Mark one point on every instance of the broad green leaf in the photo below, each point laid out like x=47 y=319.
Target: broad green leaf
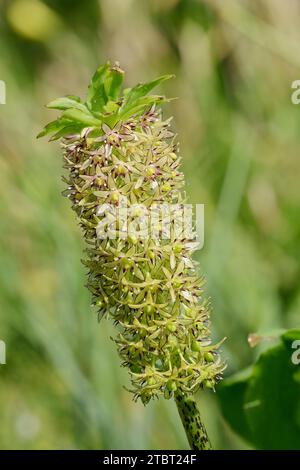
x=272 y=400
x=290 y=336
x=97 y=97
x=231 y=393
x=66 y=103
x=264 y=407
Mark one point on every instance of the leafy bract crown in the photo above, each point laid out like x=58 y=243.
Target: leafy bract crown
x=105 y=104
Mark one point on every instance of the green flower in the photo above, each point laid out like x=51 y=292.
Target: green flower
x=121 y=156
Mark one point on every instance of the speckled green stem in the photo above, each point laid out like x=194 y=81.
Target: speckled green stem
x=192 y=423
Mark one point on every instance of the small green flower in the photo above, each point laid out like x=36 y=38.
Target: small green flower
x=117 y=147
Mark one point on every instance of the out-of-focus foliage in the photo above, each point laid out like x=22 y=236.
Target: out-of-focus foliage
x=235 y=62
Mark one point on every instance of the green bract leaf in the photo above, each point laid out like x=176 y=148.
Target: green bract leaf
x=53 y=126
x=79 y=116
x=68 y=130
x=113 y=82
x=74 y=97
x=97 y=97
x=140 y=105
x=111 y=107
x=132 y=95
x=66 y=103
x=103 y=104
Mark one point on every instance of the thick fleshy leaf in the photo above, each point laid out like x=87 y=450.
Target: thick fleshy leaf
x=231 y=393
x=291 y=337
x=272 y=400
x=264 y=407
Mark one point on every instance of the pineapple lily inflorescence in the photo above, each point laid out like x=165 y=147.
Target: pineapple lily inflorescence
x=117 y=147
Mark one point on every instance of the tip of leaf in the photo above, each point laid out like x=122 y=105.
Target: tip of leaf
x=169 y=76
x=116 y=67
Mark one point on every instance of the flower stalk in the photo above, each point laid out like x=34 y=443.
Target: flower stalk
x=120 y=154
x=191 y=419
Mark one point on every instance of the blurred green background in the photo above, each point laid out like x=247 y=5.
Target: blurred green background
x=234 y=60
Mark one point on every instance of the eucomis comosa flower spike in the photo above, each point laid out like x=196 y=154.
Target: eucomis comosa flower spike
x=117 y=147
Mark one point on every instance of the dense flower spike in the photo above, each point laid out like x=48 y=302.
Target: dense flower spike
x=119 y=153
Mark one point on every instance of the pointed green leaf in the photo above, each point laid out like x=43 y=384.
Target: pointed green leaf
x=68 y=130
x=74 y=97
x=66 y=103
x=79 y=116
x=53 y=126
x=132 y=95
x=143 y=89
x=140 y=105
